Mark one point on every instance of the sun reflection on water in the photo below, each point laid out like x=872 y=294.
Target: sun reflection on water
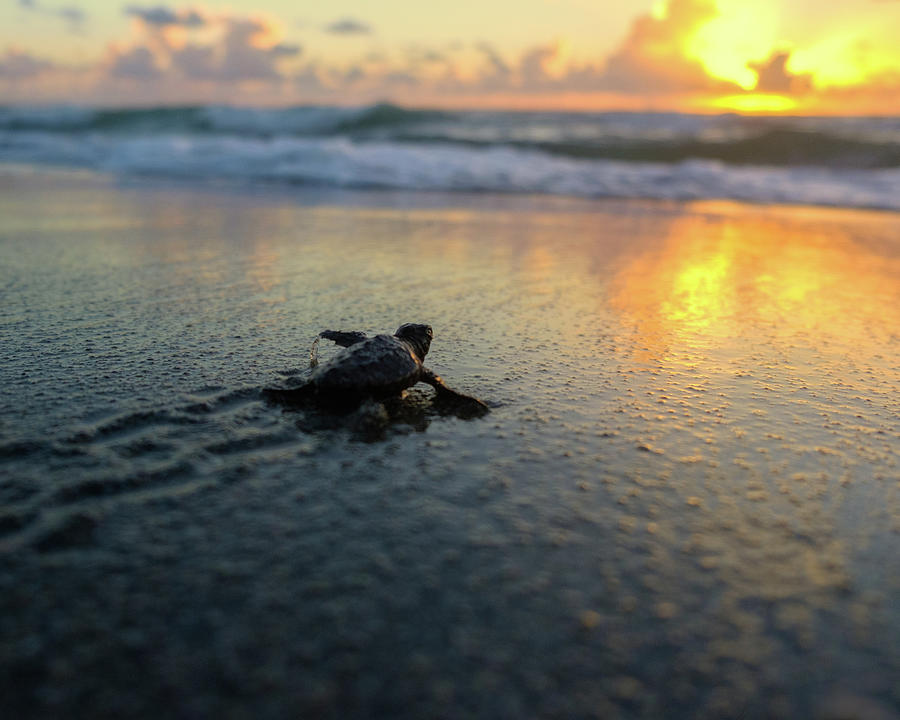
x=721 y=276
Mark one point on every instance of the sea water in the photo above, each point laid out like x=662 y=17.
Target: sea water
x=846 y=161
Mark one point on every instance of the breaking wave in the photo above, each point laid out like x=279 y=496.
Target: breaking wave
x=831 y=161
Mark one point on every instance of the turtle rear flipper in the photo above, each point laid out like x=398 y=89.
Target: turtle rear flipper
x=464 y=406
x=289 y=396
x=344 y=338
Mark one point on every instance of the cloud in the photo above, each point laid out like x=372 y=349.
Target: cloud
x=348 y=26
x=400 y=78
x=310 y=80
x=650 y=62
x=652 y=58
x=245 y=55
x=285 y=50
x=498 y=67
x=162 y=16
x=181 y=54
x=197 y=62
x=216 y=49
x=534 y=63
x=354 y=75
x=136 y=64
x=17 y=65
x=241 y=55
x=879 y=94
x=774 y=77
x=425 y=56
x=73 y=15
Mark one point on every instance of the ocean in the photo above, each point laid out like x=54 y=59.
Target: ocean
x=845 y=161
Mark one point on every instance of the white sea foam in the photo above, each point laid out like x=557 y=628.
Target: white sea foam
x=852 y=162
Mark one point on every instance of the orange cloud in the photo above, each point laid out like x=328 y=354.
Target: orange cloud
x=653 y=58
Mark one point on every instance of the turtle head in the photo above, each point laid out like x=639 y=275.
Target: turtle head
x=418 y=337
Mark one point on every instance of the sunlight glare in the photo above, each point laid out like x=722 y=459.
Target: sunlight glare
x=839 y=60
x=755 y=103
x=739 y=34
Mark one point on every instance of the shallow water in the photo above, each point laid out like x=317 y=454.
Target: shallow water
x=684 y=503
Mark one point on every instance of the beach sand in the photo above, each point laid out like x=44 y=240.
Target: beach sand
x=685 y=502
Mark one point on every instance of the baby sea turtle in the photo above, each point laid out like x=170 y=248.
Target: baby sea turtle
x=374 y=368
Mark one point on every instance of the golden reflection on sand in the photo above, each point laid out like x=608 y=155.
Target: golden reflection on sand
x=768 y=275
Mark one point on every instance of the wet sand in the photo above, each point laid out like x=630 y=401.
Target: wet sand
x=685 y=502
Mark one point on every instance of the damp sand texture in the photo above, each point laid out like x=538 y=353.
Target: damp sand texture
x=685 y=502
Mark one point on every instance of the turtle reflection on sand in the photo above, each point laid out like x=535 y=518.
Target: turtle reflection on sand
x=373 y=370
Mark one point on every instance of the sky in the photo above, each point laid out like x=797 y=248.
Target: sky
x=793 y=56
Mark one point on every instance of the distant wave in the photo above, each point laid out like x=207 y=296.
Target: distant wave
x=833 y=161
x=777 y=146
x=262 y=122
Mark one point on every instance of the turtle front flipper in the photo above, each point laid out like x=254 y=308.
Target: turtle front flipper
x=464 y=406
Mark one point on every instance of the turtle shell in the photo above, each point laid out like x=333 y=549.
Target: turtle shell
x=379 y=366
